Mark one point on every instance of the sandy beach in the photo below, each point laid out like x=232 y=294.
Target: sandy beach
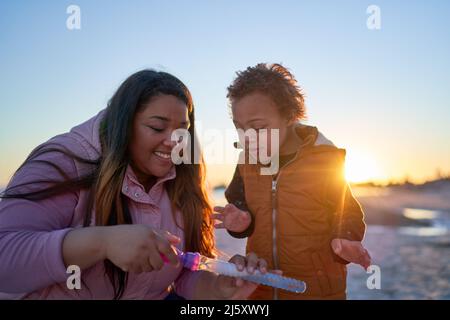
x=408 y=238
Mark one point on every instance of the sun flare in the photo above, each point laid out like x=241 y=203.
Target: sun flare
x=361 y=167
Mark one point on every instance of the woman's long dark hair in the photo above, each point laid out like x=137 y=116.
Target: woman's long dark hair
x=105 y=177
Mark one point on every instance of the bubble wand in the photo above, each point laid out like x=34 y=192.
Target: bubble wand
x=195 y=261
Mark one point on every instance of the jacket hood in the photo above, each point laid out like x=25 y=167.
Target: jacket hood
x=87 y=133
x=311 y=136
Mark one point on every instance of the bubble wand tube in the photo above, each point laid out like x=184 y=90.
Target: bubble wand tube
x=195 y=261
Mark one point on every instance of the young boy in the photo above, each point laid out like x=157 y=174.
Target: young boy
x=303 y=219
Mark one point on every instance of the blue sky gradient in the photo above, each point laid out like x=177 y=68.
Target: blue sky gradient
x=383 y=94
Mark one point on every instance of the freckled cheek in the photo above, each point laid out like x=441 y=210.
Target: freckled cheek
x=149 y=141
x=137 y=156
x=265 y=142
x=142 y=151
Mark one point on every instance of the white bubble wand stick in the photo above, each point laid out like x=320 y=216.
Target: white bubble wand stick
x=195 y=261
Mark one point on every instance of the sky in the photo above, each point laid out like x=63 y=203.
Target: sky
x=381 y=94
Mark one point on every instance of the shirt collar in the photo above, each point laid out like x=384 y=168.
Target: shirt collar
x=135 y=190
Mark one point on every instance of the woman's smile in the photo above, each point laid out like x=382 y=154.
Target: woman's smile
x=163 y=156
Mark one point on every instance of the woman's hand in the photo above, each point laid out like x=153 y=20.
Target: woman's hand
x=232 y=218
x=235 y=288
x=351 y=251
x=137 y=248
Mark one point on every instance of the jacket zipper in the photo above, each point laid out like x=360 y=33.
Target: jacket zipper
x=274 y=220
x=274 y=232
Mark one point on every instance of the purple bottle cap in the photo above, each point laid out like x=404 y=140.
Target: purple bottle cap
x=190 y=260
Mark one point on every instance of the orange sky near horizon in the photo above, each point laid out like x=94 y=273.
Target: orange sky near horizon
x=362 y=165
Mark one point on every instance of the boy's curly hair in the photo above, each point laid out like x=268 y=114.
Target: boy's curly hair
x=275 y=81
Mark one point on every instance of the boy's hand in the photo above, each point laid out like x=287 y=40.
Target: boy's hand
x=237 y=288
x=232 y=218
x=351 y=251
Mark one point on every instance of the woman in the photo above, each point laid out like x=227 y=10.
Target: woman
x=107 y=198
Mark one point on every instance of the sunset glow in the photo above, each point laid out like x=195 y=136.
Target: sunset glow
x=361 y=167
